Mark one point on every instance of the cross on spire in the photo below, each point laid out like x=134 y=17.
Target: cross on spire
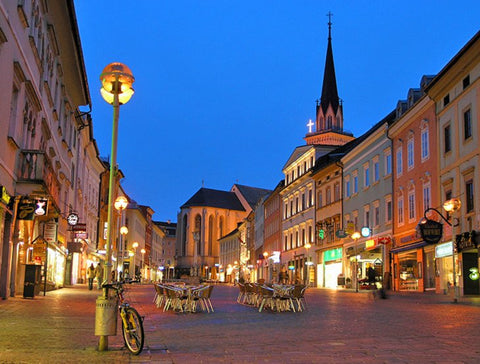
x=330 y=14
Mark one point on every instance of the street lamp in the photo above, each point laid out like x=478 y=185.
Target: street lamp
x=265 y=256
x=134 y=246
x=142 y=271
x=117 y=80
x=120 y=204
x=355 y=236
x=307 y=264
x=450 y=206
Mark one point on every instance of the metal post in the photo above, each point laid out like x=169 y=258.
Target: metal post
x=103 y=341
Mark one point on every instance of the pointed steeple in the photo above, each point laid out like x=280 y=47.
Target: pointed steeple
x=329 y=89
x=329 y=121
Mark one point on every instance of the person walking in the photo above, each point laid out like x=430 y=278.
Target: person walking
x=99 y=275
x=90 y=276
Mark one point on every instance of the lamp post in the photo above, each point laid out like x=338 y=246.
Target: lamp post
x=117 y=80
x=355 y=236
x=142 y=269
x=265 y=257
x=120 y=204
x=450 y=206
x=196 y=239
x=134 y=246
x=307 y=264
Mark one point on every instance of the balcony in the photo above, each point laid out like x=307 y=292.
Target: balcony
x=36 y=175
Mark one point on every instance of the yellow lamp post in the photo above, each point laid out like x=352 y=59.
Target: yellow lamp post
x=134 y=246
x=307 y=264
x=355 y=236
x=450 y=207
x=265 y=256
x=120 y=204
x=117 y=80
x=142 y=269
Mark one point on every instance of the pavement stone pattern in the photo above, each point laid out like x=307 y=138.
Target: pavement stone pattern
x=339 y=326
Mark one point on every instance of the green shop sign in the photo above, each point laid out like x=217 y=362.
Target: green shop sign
x=333 y=254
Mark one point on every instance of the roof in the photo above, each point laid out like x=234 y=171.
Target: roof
x=214 y=198
x=329 y=88
x=252 y=194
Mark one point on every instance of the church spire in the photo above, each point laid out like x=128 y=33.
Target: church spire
x=329 y=121
x=329 y=89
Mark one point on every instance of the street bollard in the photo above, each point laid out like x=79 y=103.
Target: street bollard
x=105 y=320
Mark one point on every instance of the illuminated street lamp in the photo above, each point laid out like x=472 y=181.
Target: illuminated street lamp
x=355 y=236
x=307 y=264
x=120 y=204
x=117 y=80
x=134 y=246
x=142 y=271
x=450 y=206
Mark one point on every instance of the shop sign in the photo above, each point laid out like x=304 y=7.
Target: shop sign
x=79 y=227
x=26 y=210
x=384 y=240
x=41 y=206
x=275 y=257
x=81 y=235
x=50 y=232
x=5 y=197
x=341 y=234
x=370 y=244
x=350 y=228
x=431 y=231
x=444 y=250
x=365 y=231
x=72 y=219
x=333 y=254
x=74 y=247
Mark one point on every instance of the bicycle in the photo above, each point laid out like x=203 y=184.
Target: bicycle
x=132 y=322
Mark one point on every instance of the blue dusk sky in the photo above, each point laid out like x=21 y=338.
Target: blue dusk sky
x=224 y=89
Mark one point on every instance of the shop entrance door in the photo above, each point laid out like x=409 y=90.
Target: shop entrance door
x=470 y=274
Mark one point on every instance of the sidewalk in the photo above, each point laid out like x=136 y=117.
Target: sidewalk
x=339 y=326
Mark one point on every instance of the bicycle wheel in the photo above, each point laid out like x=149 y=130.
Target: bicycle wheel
x=132 y=328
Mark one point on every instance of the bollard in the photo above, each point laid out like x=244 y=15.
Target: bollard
x=105 y=320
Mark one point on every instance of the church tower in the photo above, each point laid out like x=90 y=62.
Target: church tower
x=329 y=121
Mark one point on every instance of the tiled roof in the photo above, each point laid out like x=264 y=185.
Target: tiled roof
x=214 y=198
x=252 y=194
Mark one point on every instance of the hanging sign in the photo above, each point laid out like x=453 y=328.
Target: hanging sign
x=41 y=206
x=26 y=210
x=72 y=219
x=4 y=196
x=50 y=232
x=431 y=231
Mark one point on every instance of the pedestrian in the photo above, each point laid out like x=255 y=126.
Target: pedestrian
x=90 y=276
x=99 y=275
x=371 y=276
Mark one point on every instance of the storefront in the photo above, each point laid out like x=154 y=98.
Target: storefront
x=468 y=265
x=330 y=268
x=444 y=261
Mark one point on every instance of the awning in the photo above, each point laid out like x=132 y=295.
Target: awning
x=402 y=248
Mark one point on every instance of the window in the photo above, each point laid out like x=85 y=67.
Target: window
x=410 y=153
x=399 y=161
x=426 y=197
x=355 y=184
x=328 y=197
x=467 y=124
x=446 y=100
x=400 y=210
x=366 y=216
x=347 y=188
x=388 y=210
x=411 y=206
x=310 y=197
x=303 y=201
x=376 y=171
x=376 y=215
x=425 y=147
x=447 y=146
x=466 y=82
x=469 y=195
x=388 y=163
x=366 y=176
x=320 y=199
x=336 y=192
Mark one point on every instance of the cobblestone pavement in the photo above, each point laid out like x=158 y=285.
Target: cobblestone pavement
x=338 y=327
